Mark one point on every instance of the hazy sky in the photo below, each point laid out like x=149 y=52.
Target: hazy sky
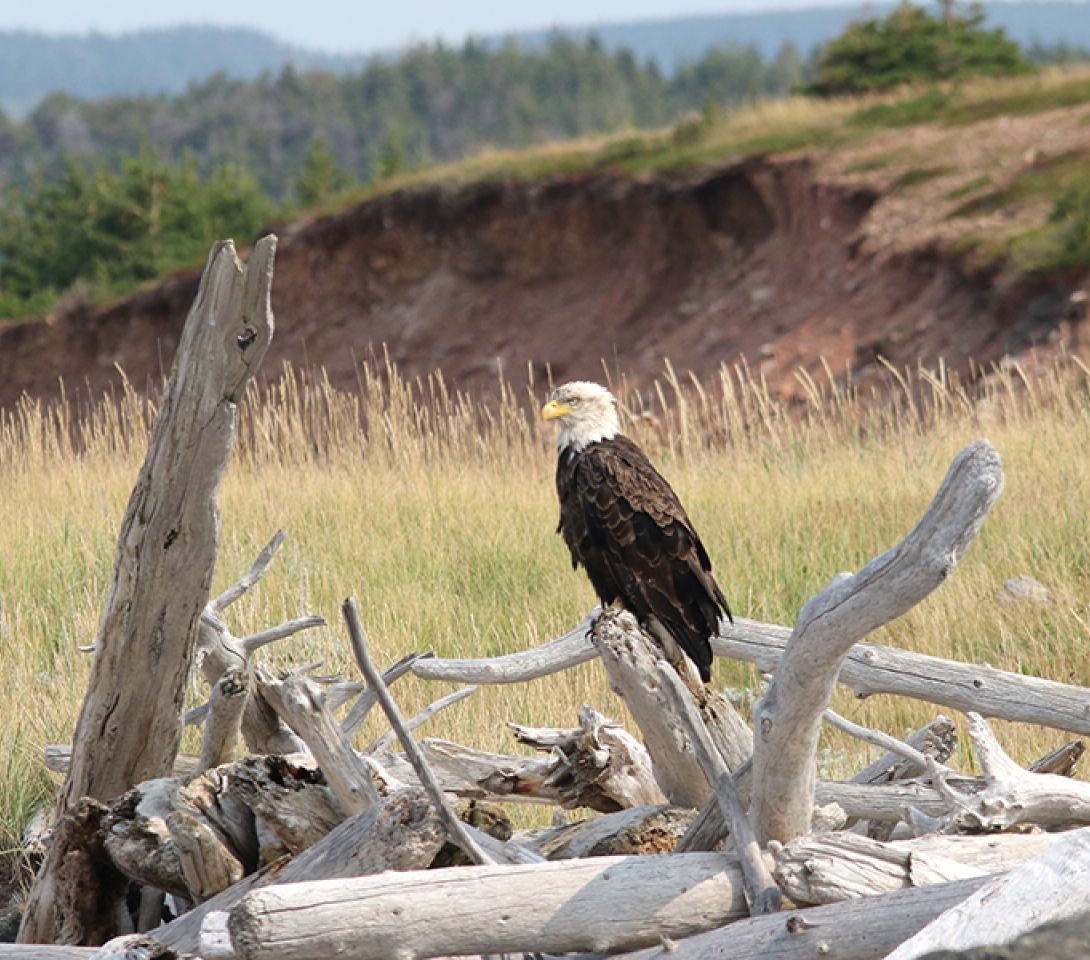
x=347 y=27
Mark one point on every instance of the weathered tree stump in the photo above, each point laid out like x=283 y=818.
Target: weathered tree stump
x=129 y=728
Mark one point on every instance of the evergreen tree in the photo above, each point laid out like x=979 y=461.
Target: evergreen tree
x=321 y=176
x=107 y=231
x=909 y=45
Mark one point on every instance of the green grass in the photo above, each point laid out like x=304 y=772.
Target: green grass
x=440 y=516
x=918 y=176
x=1062 y=241
x=971 y=102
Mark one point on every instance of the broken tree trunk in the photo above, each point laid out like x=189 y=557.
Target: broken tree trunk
x=130 y=724
x=598 y=765
x=787 y=720
x=1011 y=795
x=301 y=703
x=629 y=656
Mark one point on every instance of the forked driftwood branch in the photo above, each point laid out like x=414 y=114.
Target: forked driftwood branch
x=787 y=719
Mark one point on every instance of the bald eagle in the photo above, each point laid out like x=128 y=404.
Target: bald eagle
x=626 y=527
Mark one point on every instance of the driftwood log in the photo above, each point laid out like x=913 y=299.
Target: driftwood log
x=598 y=765
x=600 y=904
x=401 y=832
x=860 y=929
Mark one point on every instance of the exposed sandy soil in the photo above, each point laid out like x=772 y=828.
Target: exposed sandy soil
x=777 y=262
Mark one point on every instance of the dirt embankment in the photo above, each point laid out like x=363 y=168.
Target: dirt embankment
x=761 y=260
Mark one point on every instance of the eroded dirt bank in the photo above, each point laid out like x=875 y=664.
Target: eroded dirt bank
x=760 y=260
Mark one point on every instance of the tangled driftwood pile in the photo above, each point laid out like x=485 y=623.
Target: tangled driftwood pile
x=713 y=839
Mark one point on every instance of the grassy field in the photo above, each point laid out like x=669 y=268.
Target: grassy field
x=439 y=517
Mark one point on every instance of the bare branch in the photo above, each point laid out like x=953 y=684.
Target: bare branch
x=450 y=820
x=351 y=725
x=387 y=740
x=257 y=571
x=762 y=893
x=879 y=739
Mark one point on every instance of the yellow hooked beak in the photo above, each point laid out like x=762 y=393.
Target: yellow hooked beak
x=552 y=410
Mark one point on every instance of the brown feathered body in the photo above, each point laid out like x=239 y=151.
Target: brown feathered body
x=626 y=527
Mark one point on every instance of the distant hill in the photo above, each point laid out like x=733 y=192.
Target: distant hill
x=673 y=41
x=93 y=66
x=166 y=61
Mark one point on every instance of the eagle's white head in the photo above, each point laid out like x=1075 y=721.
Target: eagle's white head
x=587 y=413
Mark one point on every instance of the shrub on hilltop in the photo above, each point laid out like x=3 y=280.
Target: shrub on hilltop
x=911 y=45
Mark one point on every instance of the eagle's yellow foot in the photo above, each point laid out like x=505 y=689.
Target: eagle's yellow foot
x=615 y=607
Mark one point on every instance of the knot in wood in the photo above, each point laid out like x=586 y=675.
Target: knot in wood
x=797 y=923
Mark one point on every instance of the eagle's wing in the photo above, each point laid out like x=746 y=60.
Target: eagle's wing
x=643 y=535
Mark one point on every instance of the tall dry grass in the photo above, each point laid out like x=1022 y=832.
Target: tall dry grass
x=439 y=514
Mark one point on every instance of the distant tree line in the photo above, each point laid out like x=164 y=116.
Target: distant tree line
x=431 y=104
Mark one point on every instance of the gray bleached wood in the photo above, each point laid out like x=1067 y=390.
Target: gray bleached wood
x=219 y=651
x=1060 y=761
x=207 y=865
x=169 y=536
x=638 y=830
x=455 y=828
x=859 y=798
x=367 y=699
x=598 y=765
x=872 y=669
x=388 y=739
x=604 y=903
x=476 y=773
x=573 y=648
x=862 y=929
x=291 y=798
x=30 y=951
x=841 y=866
x=877 y=738
x=129 y=728
x=762 y=894
x=787 y=719
x=869 y=669
x=1053 y=885
x=469 y=772
x=223 y=725
x=301 y=704
x=938 y=739
x=629 y=657
x=1013 y=796
x=402 y=832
